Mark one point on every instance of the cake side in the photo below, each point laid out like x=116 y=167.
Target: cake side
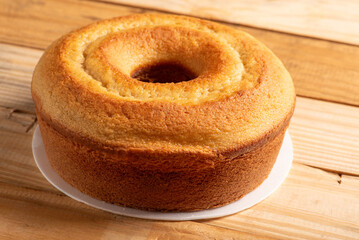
x=101 y=174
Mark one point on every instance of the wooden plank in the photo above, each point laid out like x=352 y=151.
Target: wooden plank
x=37 y=23
x=306 y=205
x=330 y=19
x=325 y=134
x=320 y=69
x=303 y=205
x=17 y=165
x=310 y=204
x=32 y=214
x=16 y=67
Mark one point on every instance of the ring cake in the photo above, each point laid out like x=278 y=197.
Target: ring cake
x=162 y=112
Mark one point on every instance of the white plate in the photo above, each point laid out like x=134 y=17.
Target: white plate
x=275 y=178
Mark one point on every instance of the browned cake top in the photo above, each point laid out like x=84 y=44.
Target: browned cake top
x=163 y=83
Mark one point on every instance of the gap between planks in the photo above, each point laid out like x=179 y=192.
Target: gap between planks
x=17 y=120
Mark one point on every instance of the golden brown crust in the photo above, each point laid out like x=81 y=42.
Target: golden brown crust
x=86 y=101
x=99 y=174
x=227 y=118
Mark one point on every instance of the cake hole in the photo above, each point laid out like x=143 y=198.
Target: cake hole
x=163 y=73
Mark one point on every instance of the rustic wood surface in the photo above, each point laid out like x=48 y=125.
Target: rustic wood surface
x=328 y=19
x=318 y=200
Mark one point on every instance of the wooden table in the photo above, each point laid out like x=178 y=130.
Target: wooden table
x=318 y=43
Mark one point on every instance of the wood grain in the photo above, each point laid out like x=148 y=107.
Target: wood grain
x=330 y=19
x=16 y=67
x=310 y=204
x=306 y=205
x=318 y=200
x=32 y=214
x=320 y=69
x=37 y=23
x=326 y=135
